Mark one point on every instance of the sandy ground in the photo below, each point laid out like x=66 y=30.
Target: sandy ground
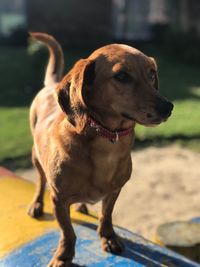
x=164 y=187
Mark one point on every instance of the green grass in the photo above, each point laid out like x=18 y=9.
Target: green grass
x=22 y=76
x=15 y=133
x=15 y=137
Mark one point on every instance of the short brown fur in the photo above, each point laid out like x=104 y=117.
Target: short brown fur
x=117 y=86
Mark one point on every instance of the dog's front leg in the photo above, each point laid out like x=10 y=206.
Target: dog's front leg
x=110 y=242
x=66 y=247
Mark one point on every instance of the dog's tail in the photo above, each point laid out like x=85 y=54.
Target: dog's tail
x=54 y=71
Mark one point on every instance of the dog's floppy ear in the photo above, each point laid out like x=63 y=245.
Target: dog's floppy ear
x=156 y=83
x=71 y=90
x=82 y=78
x=63 y=94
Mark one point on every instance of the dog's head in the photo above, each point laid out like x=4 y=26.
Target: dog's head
x=117 y=79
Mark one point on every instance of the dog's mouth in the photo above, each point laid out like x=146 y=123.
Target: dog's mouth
x=152 y=122
x=127 y=116
x=131 y=118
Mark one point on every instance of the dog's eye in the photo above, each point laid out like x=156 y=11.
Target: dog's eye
x=123 y=77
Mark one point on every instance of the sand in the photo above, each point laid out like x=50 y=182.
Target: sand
x=164 y=187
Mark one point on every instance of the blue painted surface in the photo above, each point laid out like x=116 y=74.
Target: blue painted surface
x=196 y=220
x=138 y=253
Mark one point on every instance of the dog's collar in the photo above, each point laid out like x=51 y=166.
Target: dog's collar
x=113 y=136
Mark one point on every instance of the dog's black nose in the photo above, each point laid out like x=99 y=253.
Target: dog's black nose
x=164 y=108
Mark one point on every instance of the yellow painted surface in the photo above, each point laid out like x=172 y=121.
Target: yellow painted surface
x=156 y=240
x=16 y=227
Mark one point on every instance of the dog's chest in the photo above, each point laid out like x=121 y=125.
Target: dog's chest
x=110 y=166
x=90 y=171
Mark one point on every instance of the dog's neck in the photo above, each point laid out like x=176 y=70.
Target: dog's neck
x=102 y=123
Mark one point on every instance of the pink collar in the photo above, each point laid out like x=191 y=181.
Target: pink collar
x=102 y=131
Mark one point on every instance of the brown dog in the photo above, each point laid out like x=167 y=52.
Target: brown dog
x=83 y=130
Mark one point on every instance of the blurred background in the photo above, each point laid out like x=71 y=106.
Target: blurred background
x=168 y=30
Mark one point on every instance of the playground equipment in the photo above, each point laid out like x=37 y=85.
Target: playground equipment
x=26 y=242
x=182 y=237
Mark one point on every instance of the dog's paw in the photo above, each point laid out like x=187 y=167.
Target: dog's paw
x=59 y=263
x=112 y=244
x=35 y=210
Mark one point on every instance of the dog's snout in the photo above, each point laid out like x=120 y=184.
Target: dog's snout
x=164 y=108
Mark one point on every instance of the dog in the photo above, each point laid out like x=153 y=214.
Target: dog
x=83 y=131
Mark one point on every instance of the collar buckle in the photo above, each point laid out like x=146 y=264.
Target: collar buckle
x=116 y=139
